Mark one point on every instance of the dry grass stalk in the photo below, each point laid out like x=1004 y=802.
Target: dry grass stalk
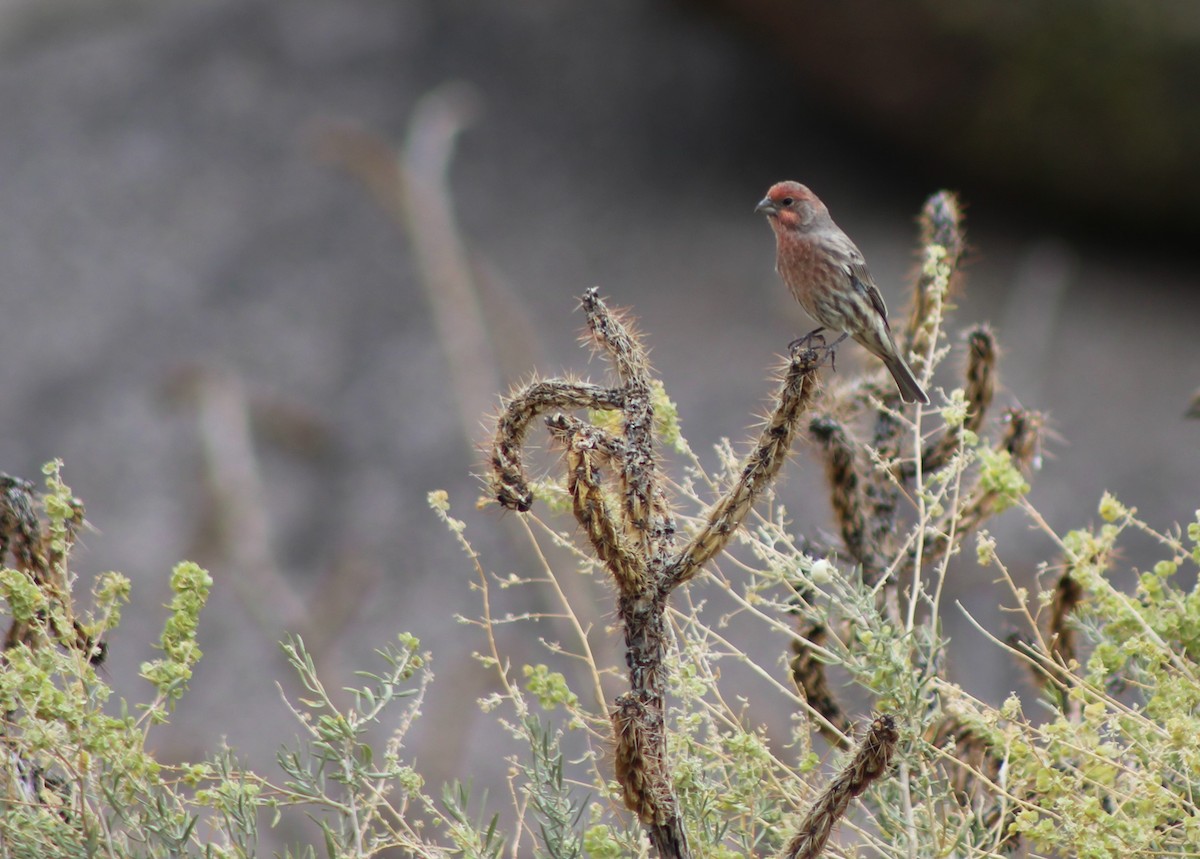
x=869 y=763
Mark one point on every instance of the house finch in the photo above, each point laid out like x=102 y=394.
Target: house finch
x=828 y=276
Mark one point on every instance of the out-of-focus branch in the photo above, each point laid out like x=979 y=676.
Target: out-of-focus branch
x=413 y=186
x=808 y=672
x=238 y=526
x=1193 y=410
x=239 y=529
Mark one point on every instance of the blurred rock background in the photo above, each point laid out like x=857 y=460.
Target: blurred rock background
x=210 y=317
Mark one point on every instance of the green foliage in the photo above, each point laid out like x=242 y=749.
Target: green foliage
x=170 y=674
x=1000 y=476
x=80 y=777
x=1111 y=773
x=1114 y=772
x=549 y=687
x=1106 y=768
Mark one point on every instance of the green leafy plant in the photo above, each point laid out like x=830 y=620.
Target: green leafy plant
x=79 y=776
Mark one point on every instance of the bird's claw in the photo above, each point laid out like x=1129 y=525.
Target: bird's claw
x=814 y=342
x=807 y=340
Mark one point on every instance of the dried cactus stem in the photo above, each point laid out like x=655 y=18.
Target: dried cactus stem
x=584 y=445
x=648 y=529
x=507 y=477
x=640 y=719
x=870 y=762
x=20 y=530
x=638 y=760
x=616 y=337
x=1022 y=437
x=941 y=223
x=980 y=376
x=638 y=471
x=943 y=242
x=22 y=535
x=632 y=531
x=845 y=492
x=760 y=468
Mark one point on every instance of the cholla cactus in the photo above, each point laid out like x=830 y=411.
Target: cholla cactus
x=616 y=489
x=618 y=500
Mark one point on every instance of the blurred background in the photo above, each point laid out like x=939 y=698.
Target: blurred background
x=252 y=351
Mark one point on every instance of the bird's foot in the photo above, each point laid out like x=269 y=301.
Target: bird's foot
x=807 y=340
x=815 y=341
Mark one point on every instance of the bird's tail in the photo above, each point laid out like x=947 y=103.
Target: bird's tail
x=910 y=388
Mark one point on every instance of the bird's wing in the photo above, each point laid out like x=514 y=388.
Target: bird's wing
x=865 y=284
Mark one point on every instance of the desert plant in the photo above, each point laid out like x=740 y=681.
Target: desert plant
x=902 y=500
x=79 y=777
x=880 y=751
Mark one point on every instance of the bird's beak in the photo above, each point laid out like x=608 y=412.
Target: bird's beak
x=766 y=207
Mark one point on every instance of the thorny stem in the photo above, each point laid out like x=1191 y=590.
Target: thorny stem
x=870 y=762
x=507 y=475
x=618 y=499
x=634 y=534
x=760 y=469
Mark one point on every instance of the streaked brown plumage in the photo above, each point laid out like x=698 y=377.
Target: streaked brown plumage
x=828 y=276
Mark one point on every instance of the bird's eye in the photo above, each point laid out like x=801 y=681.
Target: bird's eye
x=787 y=201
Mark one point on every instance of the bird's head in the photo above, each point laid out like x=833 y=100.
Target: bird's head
x=792 y=206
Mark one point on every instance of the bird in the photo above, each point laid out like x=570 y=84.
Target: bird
x=827 y=274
